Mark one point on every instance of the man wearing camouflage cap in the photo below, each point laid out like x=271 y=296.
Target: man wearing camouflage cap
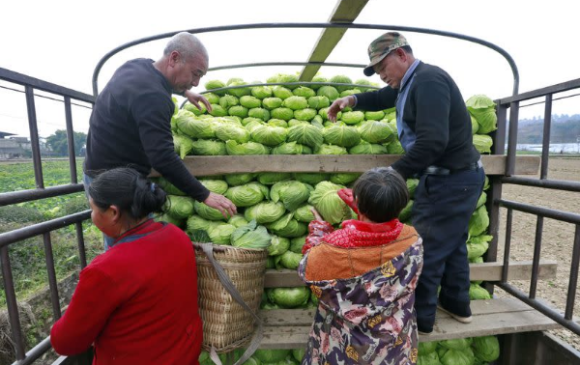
x=434 y=129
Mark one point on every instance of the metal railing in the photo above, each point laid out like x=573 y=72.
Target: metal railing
x=41 y=192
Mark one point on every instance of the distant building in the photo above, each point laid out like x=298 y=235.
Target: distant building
x=11 y=147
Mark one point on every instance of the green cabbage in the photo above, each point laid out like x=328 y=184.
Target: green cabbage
x=208 y=148
x=247 y=195
x=290 y=148
x=365 y=148
x=406 y=212
x=482 y=108
x=474 y=125
x=238 y=111
x=228 y=101
x=330 y=92
x=324 y=114
x=249 y=148
x=238 y=220
x=306 y=114
x=318 y=78
x=268 y=135
x=378 y=115
x=457 y=357
x=261 y=92
x=193 y=109
x=270 y=178
x=412 y=186
x=168 y=187
x=377 y=131
x=343 y=136
x=476 y=292
x=298 y=354
x=297 y=243
x=215 y=186
x=327 y=149
x=265 y=212
x=282 y=92
x=218 y=111
x=251 y=236
x=456 y=344
x=289 y=297
x=311 y=178
x=426 y=348
x=212 y=98
x=364 y=82
x=327 y=202
x=277 y=123
x=194 y=127
x=318 y=102
x=207 y=212
x=239 y=92
x=482 y=143
x=220 y=233
x=283 y=113
x=479 y=221
x=250 y=102
x=279 y=246
x=291 y=260
x=182 y=145
x=271 y=356
x=196 y=222
x=304 y=91
x=395 y=148
x=239 y=179
x=226 y=132
x=179 y=207
x=482 y=199
x=215 y=84
x=429 y=359
x=306 y=134
x=352 y=117
x=296 y=102
x=344 y=178
x=291 y=193
x=272 y=103
x=259 y=113
x=486 y=348
x=477 y=246
x=304 y=213
x=341 y=79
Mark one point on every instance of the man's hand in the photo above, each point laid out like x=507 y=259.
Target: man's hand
x=221 y=203
x=195 y=99
x=338 y=105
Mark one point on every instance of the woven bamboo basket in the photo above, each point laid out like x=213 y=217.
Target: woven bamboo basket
x=226 y=324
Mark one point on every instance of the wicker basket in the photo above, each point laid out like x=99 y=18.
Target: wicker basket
x=226 y=324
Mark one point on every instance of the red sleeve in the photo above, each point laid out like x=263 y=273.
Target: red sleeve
x=95 y=298
x=316 y=231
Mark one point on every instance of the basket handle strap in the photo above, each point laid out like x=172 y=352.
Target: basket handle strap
x=229 y=286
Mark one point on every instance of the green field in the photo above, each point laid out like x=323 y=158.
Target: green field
x=27 y=257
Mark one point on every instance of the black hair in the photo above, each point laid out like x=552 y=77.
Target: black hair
x=127 y=189
x=381 y=194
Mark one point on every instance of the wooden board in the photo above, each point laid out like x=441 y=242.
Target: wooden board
x=218 y=165
x=346 y=11
x=490 y=271
x=289 y=328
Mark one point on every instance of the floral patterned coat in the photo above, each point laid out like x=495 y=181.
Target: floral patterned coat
x=367 y=319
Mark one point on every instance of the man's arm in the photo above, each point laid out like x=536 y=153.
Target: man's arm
x=376 y=100
x=432 y=100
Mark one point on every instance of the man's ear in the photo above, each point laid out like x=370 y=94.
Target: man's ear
x=174 y=58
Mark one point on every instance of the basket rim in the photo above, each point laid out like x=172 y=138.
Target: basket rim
x=224 y=248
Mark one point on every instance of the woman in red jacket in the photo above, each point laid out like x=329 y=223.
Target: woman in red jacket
x=137 y=302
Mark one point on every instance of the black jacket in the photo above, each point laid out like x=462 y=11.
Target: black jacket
x=436 y=112
x=130 y=127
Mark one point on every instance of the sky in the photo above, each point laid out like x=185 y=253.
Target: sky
x=62 y=42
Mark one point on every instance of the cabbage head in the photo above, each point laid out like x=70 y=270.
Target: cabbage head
x=457 y=357
x=395 y=148
x=193 y=127
x=238 y=220
x=426 y=348
x=239 y=179
x=220 y=233
x=474 y=125
x=479 y=221
x=168 y=219
x=282 y=113
x=482 y=143
x=318 y=78
x=405 y=214
x=212 y=98
x=343 y=136
x=239 y=92
x=378 y=115
x=207 y=212
x=482 y=199
x=288 y=78
x=182 y=145
x=290 y=148
x=282 y=92
x=251 y=236
x=304 y=91
x=476 y=292
x=329 y=91
x=271 y=356
x=324 y=114
x=247 y=195
x=297 y=243
x=218 y=111
x=291 y=260
x=349 y=92
x=228 y=131
x=295 y=122
x=238 y=111
x=327 y=202
x=377 y=131
x=304 y=213
x=270 y=178
x=327 y=149
x=228 y=101
x=215 y=84
x=196 y=222
x=279 y=246
x=291 y=193
x=179 y=207
x=193 y=109
x=168 y=187
x=249 y=148
x=344 y=178
x=296 y=102
x=341 y=79
x=248 y=120
x=255 y=123
x=215 y=186
x=208 y=148
x=289 y=297
x=306 y=114
x=277 y=123
x=272 y=103
x=259 y=113
x=268 y=135
x=265 y=212
x=261 y=92
x=352 y=117
x=365 y=148
x=477 y=246
x=483 y=109
x=298 y=354
x=486 y=348
x=318 y=102
x=429 y=359
x=311 y=178
x=250 y=102
x=456 y=344
x=306 y=134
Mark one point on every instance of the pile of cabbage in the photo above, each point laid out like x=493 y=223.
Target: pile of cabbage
x=465 y=351
x=483 y=121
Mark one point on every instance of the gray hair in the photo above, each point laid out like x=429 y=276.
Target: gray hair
x=186 y=44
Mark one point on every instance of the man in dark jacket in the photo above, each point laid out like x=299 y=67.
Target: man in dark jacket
x=434 y=128
x=130 y=122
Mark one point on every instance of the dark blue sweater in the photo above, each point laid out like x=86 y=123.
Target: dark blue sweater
x=130 y=127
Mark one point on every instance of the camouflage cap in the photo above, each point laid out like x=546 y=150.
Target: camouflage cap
x=381 y=47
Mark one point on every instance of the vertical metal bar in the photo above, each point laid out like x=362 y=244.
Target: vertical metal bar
x=512 y=138
x=536 y=259
x=81 y=244
x=508 y=245
x=546 y=137
x=11 y=303
x=572 y=285
x=70 y=139
x=52 y=283
x=34 y=141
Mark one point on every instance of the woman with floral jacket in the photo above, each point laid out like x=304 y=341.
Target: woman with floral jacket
x=364 y=276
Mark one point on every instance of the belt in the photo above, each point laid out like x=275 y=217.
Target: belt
x=436 y=170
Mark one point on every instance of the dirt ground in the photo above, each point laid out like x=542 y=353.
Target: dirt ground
x=557 y=237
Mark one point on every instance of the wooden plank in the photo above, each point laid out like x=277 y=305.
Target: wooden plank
x=288 y=329
x=346 y=11
x=489 y=271
x=218 y=165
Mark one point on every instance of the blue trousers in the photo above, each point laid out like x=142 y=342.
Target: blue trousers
x=441 y=211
